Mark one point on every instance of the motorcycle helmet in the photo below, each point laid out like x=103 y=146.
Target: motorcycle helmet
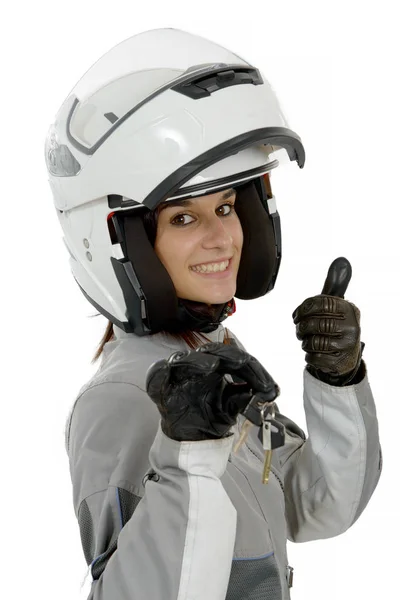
x=164 y=115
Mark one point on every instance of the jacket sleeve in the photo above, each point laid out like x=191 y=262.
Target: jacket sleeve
x=330 y=476
x=147 y=540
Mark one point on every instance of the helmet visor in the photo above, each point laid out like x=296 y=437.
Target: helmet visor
x=134 y=71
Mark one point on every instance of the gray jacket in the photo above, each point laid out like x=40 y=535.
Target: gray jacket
x=167 y=520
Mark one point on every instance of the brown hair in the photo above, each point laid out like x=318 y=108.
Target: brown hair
x=192 y=338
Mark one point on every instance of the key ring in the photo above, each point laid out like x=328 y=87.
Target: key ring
x=266 y=405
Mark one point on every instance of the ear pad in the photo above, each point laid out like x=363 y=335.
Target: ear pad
x=153 y=278
x=259 y=256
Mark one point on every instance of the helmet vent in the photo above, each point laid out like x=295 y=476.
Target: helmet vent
x=111 y=117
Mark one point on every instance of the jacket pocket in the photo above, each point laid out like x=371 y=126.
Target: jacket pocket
x=255 y=578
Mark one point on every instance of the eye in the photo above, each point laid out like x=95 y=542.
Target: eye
x=231 y=205
x=181 y=215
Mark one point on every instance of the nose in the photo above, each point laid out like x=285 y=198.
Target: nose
x=216 y=234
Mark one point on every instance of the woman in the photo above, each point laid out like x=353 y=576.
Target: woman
x=159 y=163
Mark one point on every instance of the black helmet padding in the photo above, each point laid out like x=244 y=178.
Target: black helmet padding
x=260 y=259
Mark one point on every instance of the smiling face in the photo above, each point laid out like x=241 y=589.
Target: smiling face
x=200 y=232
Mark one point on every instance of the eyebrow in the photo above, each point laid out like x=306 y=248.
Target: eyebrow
x=187 y=202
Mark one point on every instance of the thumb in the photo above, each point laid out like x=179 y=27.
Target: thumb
x=338 y=278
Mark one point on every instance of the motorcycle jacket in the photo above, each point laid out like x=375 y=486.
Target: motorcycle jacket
x=171 y=520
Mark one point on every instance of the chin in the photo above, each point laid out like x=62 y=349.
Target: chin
x=211 y=299
x=197 y=293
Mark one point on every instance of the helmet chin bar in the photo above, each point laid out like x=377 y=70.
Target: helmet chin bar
x=148 y=290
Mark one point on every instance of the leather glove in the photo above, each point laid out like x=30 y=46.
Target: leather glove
x=330 y=329
x=195 y=399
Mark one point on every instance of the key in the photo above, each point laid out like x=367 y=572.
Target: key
x=272 y=436
x=243 y=435
x=252 y=413
x=277 y=433
x=267 y=445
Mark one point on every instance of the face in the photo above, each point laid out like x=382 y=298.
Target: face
x=201 y=232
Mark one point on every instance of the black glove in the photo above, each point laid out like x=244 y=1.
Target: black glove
x=195 y=400
x=330 y=329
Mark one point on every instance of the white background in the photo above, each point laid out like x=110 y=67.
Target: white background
x=335 y=69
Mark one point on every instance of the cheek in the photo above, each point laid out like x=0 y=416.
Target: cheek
x=161 y=247
x=172 y=250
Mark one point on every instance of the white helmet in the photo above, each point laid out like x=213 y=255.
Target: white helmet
x=163 y=115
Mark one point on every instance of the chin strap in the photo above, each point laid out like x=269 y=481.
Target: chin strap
x=198 y=316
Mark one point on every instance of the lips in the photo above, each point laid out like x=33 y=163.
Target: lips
x=219 y=260
x=212 y=275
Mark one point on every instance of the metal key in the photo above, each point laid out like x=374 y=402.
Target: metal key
x=267 y=444
x=272 y=436
x=243 y=435
x=252 y=413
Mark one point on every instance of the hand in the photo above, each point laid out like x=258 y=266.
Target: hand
x=330 y=329
x=195 y=400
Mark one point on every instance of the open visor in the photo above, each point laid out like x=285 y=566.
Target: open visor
x=132 y=73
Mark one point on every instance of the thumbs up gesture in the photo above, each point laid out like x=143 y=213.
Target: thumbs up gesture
x=329 y=327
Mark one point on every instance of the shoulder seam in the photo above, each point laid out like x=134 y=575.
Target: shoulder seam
x=69 y=418
x=104 y=382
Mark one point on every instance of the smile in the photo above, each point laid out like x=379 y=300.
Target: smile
x=211 y=267
x=218 y=270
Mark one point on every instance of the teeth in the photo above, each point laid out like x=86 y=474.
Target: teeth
x=211 y=268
